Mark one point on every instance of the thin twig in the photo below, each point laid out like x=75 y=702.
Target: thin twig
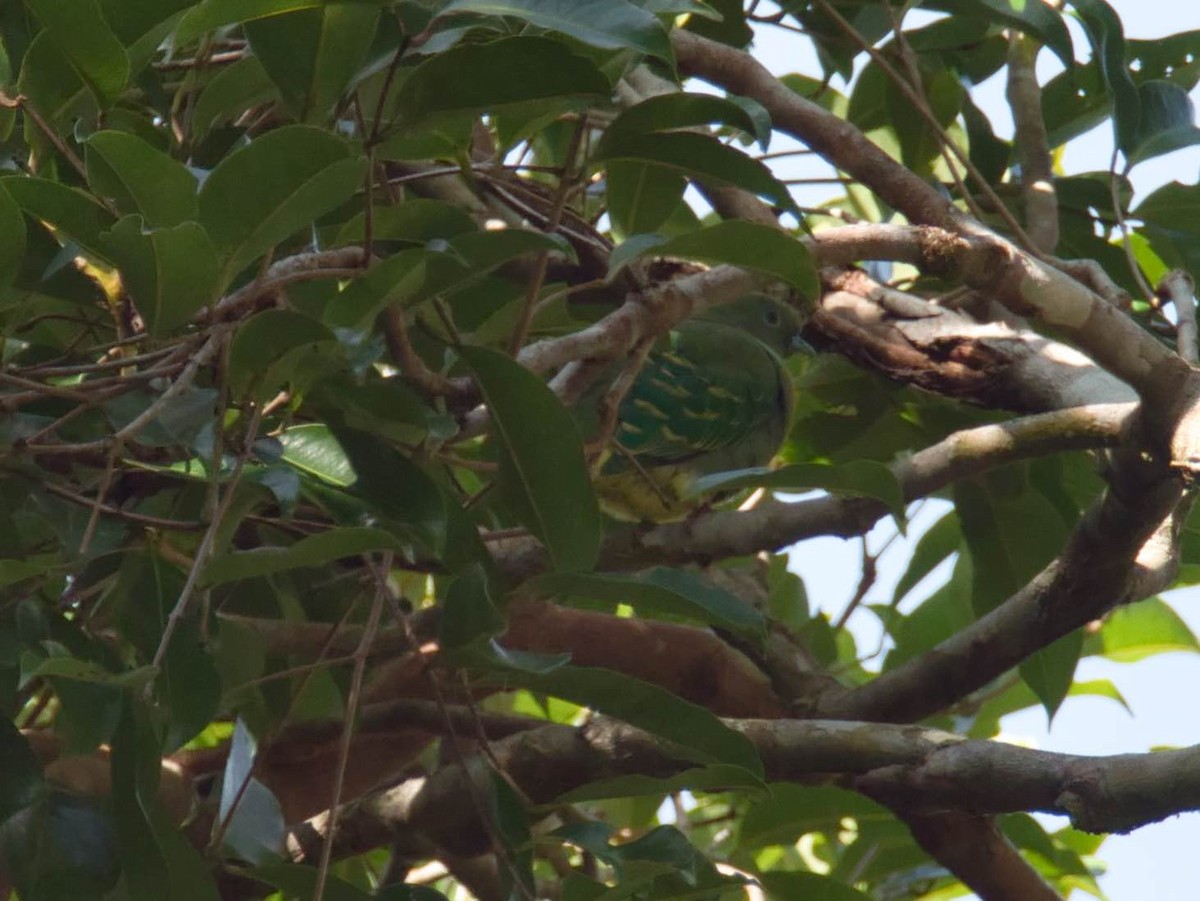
x=361 y=654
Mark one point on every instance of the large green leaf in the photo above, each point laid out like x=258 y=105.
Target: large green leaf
x=542 y=458
x=230 y=93
x=697 y=156
x=79 y=31
x=1107 y=37
x=297 y=173
x=1140 y=630
x=668 y=112
x=156 y=859
x=1039 y=20
x=278 y=348
x=1012 y=531
x=138 y=178
x=611 y=25
x=1166 y=123
x=12 y=238
x=314 y=550
x=696 y=733
x=661 y=591
x=212 y=14
x=480 y=78
x=942 y=539
x=311 y=54
x=746 y=244
x=75 y=214
x=641 y=196
x=170 y=273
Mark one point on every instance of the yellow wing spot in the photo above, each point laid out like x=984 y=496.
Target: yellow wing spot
x=631 y=428
x=646 y=407
x=703 y=415
x=671 y=435
x=676 y=359
x=669 y=388
x=721 y=393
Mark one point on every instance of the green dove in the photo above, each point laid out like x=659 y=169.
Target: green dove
x=714 y=396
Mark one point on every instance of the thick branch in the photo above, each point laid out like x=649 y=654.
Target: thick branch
x=909 y=768
x=1100 y=568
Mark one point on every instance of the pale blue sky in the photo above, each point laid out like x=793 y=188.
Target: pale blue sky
x=1154 y=863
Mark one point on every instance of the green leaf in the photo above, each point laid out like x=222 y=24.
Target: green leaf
x=468 y=613
x=72 y=212
x=1107 y=37
x=409 y=500
x=298 y=173
x=697 y=734
x=395 y=280
x=696 y=156
x=313 y=550
x=542 y=458
x=668 y=112
x=660 y=590
x=480 y=78
x=793 y=810
x=612 y=25
x=312 y=448
x=213 y=14
x=1050 y=671
x=1136 y=631
x=156 y=859
x=1035 y=19
x=12 y=238
x=296 y=881
x=641 y=196
x=860 y=477
x=170 y=273
x=810 y=887
x=1166 y=123
x=749 y=245
x=232 y=91
x=311 y=54
x=79 y=31
x=946 y=611
x=417 y=220
x=1011 y=530
x=278 y=347
x=941 y=540
x=140 y=179
x=715 y=778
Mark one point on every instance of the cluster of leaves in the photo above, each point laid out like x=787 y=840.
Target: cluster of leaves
x=210 y=213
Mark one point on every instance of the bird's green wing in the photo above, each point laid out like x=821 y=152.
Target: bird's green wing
x=714 y=397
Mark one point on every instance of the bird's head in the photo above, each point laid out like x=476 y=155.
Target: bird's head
x=776 y=324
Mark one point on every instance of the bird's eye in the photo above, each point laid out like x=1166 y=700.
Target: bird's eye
x=772 y=318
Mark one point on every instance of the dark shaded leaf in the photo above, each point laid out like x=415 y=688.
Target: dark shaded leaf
x=490 y=77
x=746 y=244
x=138 y=178
x=542 y=457
x=298 y=173
x=79 y=31
x=170 y=273
x=695 y=733
x=612 y=25
x=660 y=591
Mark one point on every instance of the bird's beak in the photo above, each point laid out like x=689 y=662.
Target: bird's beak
x=799 y=346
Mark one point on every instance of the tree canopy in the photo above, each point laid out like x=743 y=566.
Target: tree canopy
x=305 y=589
